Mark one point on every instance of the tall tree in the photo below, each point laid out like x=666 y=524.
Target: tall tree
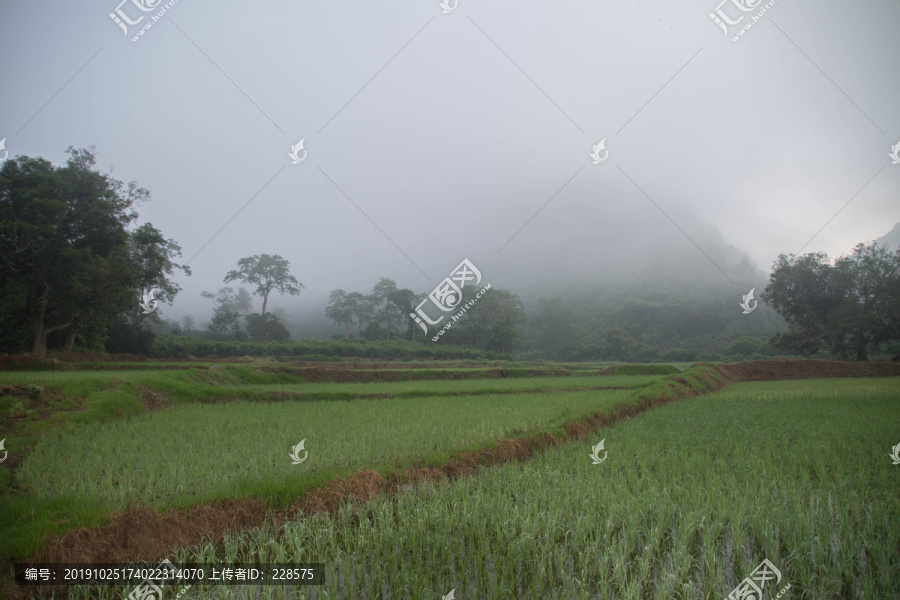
x=340 y=311
x=226 y=320
x=841 y=308
x=384 y=311
x=268 y=273
x=65 y=257
x=360 y=310
x=243 y=301
x=187 y=323
x=152 y=254
x=402 y=303
x=805 y=293
x=871 y=278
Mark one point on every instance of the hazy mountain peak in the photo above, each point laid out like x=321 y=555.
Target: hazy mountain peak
x=891 y=239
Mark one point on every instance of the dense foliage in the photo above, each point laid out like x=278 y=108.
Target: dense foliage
x=840 y=308
x=74 y=264
x=69 y=265
x=489 y=324
x=648 y=322
x=179 y=346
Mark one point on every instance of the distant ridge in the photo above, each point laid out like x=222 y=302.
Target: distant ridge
x=891 y=239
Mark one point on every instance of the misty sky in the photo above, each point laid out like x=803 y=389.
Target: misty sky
x=435 y=137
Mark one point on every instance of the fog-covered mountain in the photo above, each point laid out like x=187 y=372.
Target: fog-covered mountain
x=891 y=239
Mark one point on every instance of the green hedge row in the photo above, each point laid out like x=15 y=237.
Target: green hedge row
x=177 y=346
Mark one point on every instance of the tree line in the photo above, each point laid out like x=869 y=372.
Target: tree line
x=491 y=324
x=75 y=262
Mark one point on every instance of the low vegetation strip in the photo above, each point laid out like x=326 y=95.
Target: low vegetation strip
x=412 y=389
x=639 y=370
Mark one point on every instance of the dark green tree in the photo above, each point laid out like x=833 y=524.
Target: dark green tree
x=225 y=325
x=66 y=262
x=340 y=310
x=152 y=254
x=268 y=273
x=841 y=308
x=402 y=302
x=226 y=320
x=870 y=313
x=384 y=311
x=360 y=309
x=265 y=328
x=804 y=292
x=495 y=317
x=557 y=334
x=489 y=321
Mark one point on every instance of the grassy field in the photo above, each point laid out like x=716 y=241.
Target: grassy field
x=85 y=397
x=693 y=496
x=91 y=446
x=201 y=452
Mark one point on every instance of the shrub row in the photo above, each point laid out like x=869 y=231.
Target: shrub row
x=177 y=346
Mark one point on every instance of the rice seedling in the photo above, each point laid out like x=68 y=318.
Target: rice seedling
x=693 y=496
x=199 y=452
